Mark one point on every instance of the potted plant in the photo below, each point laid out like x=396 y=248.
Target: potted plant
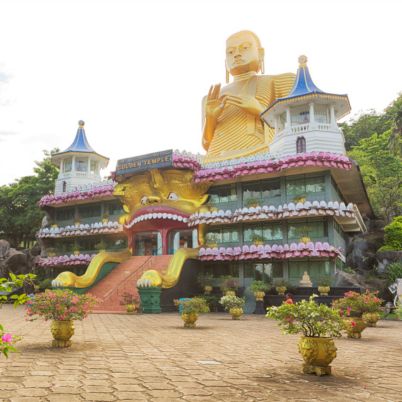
x=51 y=252
x=257 y=239
x=101 y=246
x=76 y=248
x=317 y=323
x=105 y=217
x=63 y=307
x=259 y=288
x=229 y=285
x=280 y=286
x=190 y=309
x=252 y=202
x=130 y=302
x=212 y=240
x=300 y=198
x=324 y=284
x=351 y=307
x=206 y=281
x=372 y=308
x=234 y=305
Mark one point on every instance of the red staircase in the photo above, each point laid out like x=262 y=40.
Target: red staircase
x=123 y=278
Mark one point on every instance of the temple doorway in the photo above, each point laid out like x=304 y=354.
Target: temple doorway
x=148 y=243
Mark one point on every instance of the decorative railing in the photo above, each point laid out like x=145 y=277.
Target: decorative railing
x=228 y=171
x=81 y=230
x=290 y=210
x=65 y=260
x=84 y=193
x=267 y=251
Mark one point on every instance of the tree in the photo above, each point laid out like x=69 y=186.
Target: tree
x=382 y=174
x=20 y=216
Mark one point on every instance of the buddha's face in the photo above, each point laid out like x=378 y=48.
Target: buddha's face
x=242 y=53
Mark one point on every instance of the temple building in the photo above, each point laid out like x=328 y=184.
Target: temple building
x=82 y=214
x=277 y=204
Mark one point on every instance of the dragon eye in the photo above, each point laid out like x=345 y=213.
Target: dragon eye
x=144 y=200
x=173 y=196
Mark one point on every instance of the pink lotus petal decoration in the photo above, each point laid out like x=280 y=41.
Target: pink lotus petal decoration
x=279 y=251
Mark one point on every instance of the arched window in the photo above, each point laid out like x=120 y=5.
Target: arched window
x=300 y=145
x=64 y=186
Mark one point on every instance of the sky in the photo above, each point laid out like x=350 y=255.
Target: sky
x=136 y=71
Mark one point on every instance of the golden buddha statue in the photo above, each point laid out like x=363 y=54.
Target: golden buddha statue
x=231 y=115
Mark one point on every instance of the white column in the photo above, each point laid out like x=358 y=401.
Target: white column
x=195 y=238
x=73 y=166
x=288 y=117
x=89 y=166
x=312 y=117
x=332 y=114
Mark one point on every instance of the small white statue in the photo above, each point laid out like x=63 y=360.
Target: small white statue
x=305 y=281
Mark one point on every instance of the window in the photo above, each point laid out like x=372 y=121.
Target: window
x=89 y=211
x=263 y=271
x=114 y=208
x=267 y=191
x=304 y=186
x=300 y=117
x=313 y=230
x=263 y=232
x=81 y=164
x=67 y=165
x=218 y=236
x=223 y=195
x=64 y=186
x=300 y=145
x=65 y=214
x=315 y=269
x=94 y=167
x=321 y=114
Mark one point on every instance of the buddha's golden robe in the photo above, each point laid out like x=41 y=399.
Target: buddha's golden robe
x=239 y=133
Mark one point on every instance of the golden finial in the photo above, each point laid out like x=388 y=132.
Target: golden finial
x=302 y=61
x=81 y=123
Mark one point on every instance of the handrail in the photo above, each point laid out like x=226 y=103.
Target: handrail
x=116 y=288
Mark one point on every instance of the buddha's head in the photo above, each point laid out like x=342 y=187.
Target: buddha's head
x=244 y=53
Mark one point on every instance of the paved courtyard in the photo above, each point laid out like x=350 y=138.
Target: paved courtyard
x=152 y=358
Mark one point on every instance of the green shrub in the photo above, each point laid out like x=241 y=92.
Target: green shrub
x=259 y=286
x=393 y=235
x=394 y=271
x=45 y=284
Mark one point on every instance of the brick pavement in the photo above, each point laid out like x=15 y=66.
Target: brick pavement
x=152 y=358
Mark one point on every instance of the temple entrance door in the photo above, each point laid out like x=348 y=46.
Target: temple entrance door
x=148 y=243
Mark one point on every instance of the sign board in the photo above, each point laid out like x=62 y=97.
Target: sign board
x=142 y=163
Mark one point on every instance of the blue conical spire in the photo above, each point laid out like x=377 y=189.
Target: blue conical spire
x=80 y=143
x=303 y=85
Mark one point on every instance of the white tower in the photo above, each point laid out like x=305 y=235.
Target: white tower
x=306 y=120
x=79 y=164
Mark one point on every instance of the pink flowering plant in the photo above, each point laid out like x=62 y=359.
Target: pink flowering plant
x=307 y=317
x=7 y=286
x=60 y=305
x=355 y=304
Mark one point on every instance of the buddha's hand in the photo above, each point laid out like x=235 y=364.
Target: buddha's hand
x=214 y=105
x=245 y=102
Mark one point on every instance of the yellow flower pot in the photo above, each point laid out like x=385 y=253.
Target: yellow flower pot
x=317 y=354
x=354 y=326
x=305 y=239
x=62 y=331
x=324 y=290
x=131 y=308
x=259 y=296
x=281 y=290
x=371 y=319
x=189 y=319
x=236 y=313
